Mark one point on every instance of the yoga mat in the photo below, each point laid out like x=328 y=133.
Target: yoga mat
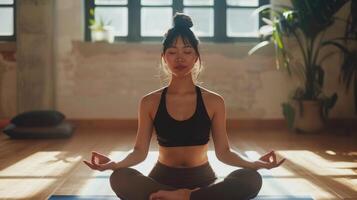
x=95 y=197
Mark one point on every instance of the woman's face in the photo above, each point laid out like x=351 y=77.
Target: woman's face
x=180 y=58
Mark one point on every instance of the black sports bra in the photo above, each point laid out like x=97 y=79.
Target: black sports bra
x=193 y=131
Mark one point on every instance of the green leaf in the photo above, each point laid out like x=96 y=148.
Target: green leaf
x=91 y=21
x=91 y=12
x=289 y=114
x=327 y=104
x=336 y=44
x=320 y=75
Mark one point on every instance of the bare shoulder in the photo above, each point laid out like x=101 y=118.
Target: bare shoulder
x=152 y=96
x=151 y=101
x=214 y=102
x=211 y=98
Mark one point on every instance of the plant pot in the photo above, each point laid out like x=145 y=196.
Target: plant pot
x=106 y=34
x=308 y=117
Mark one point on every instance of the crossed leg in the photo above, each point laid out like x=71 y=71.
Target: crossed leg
x=129 y=184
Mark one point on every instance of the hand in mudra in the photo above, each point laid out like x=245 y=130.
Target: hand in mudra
x=100 y=162
x=269 y=161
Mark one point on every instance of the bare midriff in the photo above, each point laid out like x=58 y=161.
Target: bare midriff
x=183 y=156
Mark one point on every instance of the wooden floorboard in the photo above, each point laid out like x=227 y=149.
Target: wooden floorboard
x=323 y=165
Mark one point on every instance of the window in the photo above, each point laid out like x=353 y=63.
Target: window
x=7 y=22
x=214 y=20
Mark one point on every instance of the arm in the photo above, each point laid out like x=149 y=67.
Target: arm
x=220 y=138
x=223 y=150
x=143 y=136
x=138 y=154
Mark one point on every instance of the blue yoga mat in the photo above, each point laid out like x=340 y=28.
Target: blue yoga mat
x=95 y=197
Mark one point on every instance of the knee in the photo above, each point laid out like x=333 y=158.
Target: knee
x=121 y=177
x=255 y=180
x=251 y=179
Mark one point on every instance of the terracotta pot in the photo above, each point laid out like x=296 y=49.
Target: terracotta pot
x=308 y=117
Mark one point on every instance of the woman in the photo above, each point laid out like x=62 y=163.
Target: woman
x=183 y=115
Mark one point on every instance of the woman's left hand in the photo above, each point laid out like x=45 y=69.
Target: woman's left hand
x=268 y=161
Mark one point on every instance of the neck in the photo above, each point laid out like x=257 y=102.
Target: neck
x=181 y=85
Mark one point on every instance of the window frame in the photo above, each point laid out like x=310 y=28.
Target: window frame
x=10 y=38
x=134 y=16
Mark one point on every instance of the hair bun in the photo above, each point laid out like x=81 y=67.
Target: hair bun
x=182 y=20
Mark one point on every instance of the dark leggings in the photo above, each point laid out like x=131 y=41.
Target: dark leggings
x=130 y=184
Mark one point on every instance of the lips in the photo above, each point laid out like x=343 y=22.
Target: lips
x=180 y=66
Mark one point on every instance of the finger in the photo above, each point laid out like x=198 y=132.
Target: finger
x=281 y=162
x=151 y=197
x=267 y=155
x=93 y=158
x=154 y=196
x=264 y=160
x=98 y=154
x=274 y=156
x=102 y=167
x=102 y=158
x=90 y=165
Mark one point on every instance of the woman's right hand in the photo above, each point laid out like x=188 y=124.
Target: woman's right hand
x=100 y=162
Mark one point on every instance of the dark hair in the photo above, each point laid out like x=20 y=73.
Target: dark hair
x=182 y=25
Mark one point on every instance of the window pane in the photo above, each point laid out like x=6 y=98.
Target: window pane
x=7 y=21
x=198 y=2
x=203 y=21
x=155 y=21
x=7 y=2
x=241 y=23
x=156 y=2
x=110 y=2
x=116 y=17
x=243 y=2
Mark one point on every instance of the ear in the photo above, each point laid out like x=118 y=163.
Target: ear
x=163 y=58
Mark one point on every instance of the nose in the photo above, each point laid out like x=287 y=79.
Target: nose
x=179 y=59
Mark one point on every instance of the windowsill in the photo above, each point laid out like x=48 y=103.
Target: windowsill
x=239 y=49
x=250 y=41
x=159 y=42
x=7 y=46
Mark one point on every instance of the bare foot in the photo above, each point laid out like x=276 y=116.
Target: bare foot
x=180 y=194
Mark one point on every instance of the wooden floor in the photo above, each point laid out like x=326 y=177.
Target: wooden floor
x=323 y=166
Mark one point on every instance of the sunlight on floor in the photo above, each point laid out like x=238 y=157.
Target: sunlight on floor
x=327 y=173
x=53 y=163
x=25 y=187
x=347 y=182
x=35 y=173
x=318 y=165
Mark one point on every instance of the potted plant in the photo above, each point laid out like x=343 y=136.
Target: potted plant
x=101 y=31
x=307 y=21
